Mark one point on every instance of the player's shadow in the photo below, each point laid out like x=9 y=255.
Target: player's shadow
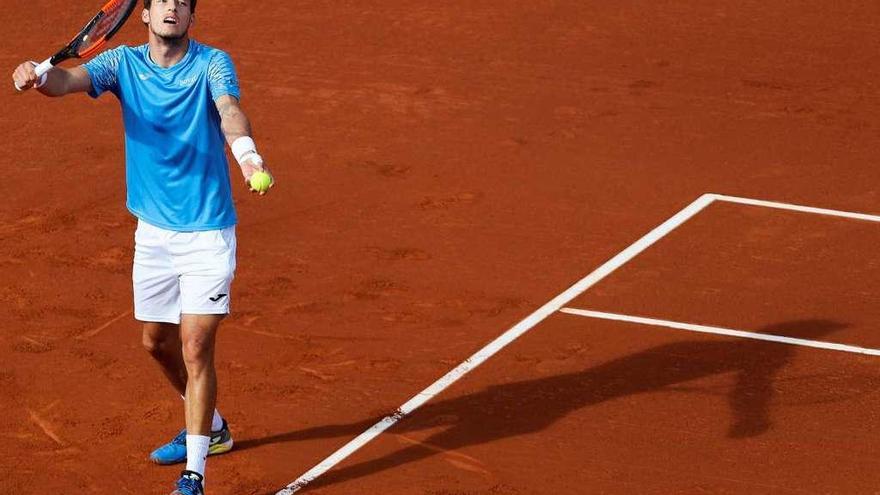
x=524 y=407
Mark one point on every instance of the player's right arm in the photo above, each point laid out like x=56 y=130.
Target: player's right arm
x=59 y=81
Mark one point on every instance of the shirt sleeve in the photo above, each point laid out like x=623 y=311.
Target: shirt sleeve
x=104 y=72
x=222 y=79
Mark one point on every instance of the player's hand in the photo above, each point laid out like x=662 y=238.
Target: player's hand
x=24 y=76
x=249 y=167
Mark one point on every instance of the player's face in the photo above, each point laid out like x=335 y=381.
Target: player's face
x=169 y=19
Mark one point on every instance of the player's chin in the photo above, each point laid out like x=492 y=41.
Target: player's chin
x=171 y=33
x=172 y=36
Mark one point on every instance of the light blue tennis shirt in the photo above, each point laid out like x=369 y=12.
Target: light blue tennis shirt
x=175 y=160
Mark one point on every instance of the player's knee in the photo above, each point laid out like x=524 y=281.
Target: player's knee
x=154 y=345
x=159 y=343
x=197 y=351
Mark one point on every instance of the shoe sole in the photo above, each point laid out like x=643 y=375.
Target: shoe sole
x=220 y=448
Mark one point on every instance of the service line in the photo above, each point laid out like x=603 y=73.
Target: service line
x=803 y=209
x=722 y=331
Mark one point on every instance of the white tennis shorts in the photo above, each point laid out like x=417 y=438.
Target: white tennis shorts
x=178 y=273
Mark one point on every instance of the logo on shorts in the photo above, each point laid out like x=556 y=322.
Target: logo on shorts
x=217 y=297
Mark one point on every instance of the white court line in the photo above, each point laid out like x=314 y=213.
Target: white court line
x=539 y=315
x=496 y=345
x=722 y=331
x=804 y=209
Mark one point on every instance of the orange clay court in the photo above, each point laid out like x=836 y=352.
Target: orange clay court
x=448 y=170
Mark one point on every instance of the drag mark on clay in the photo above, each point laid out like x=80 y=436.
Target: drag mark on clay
x=317 y=374
x=46 y=427
x=263 y=332
x=457 y=459
x=33 y=341
x=96 y=331
x=23 y=222
x=32 y=345
x=343 y=363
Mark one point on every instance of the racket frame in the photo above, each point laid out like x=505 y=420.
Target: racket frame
x=71 y=50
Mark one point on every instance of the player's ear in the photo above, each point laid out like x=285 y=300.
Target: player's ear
x=145 y=16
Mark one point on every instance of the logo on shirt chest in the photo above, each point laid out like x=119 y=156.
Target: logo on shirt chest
x=181 y=83
x=187 y=82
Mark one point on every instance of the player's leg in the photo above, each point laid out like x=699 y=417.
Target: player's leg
x=162 y=341
x=206 y=261
x=157 y=303
x=198 y=334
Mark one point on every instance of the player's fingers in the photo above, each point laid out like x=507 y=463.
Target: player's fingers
x=247 y=170
x=18 y=79
x=26 y=71
x=21 y=84
x=24 y=76
x=261 y=193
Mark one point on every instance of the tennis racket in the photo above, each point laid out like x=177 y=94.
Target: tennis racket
x=93 y=36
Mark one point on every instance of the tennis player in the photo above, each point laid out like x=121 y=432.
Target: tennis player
x=179 y=99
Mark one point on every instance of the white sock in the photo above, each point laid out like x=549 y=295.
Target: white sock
x=197 y=453
x=216 y=421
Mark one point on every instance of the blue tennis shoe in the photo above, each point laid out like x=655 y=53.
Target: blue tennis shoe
x=174 y=452
x=190 y=483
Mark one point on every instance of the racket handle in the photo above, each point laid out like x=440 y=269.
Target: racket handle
x=40 y=70
x=43 y=68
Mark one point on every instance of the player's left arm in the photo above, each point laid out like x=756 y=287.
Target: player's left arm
x=237 y=130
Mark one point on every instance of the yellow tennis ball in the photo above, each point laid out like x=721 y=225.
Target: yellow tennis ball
x=260 y=181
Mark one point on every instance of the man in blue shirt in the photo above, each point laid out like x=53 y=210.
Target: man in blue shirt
x=180 y=101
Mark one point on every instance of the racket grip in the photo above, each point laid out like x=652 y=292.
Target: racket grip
x=43 y=68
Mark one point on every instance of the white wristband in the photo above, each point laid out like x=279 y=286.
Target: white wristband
x=43 y=78
x=244 y=148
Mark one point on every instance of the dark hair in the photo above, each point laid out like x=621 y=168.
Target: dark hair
x=192 y=4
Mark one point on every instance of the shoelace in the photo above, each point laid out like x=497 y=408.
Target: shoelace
x=189 y=486
x=180 y=439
